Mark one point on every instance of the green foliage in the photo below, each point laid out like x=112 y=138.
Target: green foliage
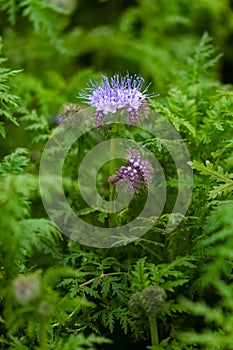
x=15 y=162
x=44 y=16
x=217 y=175
x=81 y=342
x=58 y=294
x=8 y=101
x=16 y=189
x=217 y=276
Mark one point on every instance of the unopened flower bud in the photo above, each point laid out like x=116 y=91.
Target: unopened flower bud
x=26 y=288
x=70 y=115
x=135 y=304
x=153 y=300
x=44 y=308
x=149 y=302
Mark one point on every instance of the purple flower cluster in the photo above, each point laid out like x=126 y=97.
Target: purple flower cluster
x=138 y=172
x=118 y=93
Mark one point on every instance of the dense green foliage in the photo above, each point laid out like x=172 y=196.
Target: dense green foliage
x=58 y=294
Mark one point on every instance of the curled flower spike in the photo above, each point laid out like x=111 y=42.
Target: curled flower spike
x=117 y=93
x=138 y=172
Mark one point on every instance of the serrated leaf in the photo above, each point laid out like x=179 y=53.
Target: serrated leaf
x=218 y=175
x=140 y=275
x=15 y=162
x=170 y=285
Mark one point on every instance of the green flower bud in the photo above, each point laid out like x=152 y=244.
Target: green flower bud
x=152 y=300
x=135 y=304
x=149 y=302
x=44 y=308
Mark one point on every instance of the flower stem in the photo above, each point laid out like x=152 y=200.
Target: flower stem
x=112 y=215
x=102 y=276
x=43 y=334
x=153 y=331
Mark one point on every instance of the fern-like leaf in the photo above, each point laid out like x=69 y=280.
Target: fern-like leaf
x=11 y=7
x=218 y=175
x=140 y=276
x=8 y=101
x=15 y=162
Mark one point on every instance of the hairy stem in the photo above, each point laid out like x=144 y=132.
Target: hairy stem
x=43 y=334
x=112 y=196
x=102 y=276
x=153 y=331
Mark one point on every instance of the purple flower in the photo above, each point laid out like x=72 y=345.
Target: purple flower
x=59 y=119
x=138 y=172
x=117 y=93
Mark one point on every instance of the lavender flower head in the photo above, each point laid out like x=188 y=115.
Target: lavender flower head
x=118 y=93
x=138 y=172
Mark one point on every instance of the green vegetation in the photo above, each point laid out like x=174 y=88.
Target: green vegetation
x=164 y=290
